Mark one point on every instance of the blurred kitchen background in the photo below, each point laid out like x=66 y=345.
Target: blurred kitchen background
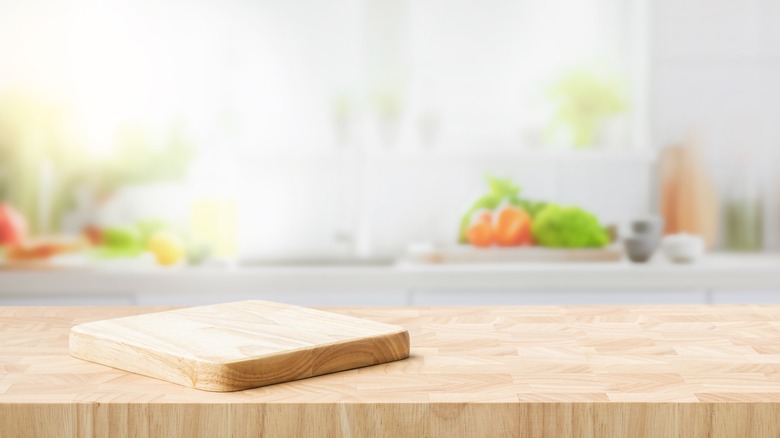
x=335 y=152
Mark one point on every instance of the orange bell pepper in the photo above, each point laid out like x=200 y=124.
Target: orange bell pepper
x=513 y=227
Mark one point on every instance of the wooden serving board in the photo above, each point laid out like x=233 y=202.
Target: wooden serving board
x=239 y=345
x=469 y=254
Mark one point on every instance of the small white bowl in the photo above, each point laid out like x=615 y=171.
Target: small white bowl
x=683 y=248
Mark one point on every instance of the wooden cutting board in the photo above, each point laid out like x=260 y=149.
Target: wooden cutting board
x=689 y=202
x=469 y=254
x=239 y=345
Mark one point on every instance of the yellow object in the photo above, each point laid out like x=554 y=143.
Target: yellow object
x=167 y=248
x=213 y=220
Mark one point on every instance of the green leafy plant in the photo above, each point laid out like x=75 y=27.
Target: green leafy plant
x=568 y=227
x=34 y=138
x=135 y=161
x=35 y=132
x=583 y=99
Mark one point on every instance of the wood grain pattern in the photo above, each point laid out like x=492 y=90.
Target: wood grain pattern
x=238 y=345
x=672 y=371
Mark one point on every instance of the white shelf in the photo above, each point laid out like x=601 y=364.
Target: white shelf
x=563 y=283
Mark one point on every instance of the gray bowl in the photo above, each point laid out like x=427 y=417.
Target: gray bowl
x=652 y=227
x=640 y=249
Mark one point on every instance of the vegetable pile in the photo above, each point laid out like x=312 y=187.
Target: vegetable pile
x=502 y=217
x=169 y=244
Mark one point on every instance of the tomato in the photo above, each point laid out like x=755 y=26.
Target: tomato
x=13 y=227
x=480 y=233
x=93 y=234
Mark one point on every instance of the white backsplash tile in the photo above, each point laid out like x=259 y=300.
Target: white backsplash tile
x=615 y=192
x=294 y=209
x=706 y=28
x=769 y=31
x=708 y=93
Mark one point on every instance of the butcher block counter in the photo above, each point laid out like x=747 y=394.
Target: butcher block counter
x=687 y=371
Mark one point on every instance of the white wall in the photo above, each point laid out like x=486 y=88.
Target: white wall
x=474 y=66
x=712 y=63
x=716 y=64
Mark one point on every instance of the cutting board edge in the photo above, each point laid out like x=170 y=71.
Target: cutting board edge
x=400 y=339
x=201 y=369
x=103 y=351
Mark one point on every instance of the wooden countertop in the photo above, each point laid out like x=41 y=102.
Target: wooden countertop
x=500 y=371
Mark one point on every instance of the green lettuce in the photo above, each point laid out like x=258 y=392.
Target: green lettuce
x=568 y=227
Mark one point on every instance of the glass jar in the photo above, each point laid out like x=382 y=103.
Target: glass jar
x=744 y=213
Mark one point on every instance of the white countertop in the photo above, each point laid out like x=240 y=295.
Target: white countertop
x=714 y=272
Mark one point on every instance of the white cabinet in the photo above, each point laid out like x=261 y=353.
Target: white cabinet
x=746 y=297
x=67 y=299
